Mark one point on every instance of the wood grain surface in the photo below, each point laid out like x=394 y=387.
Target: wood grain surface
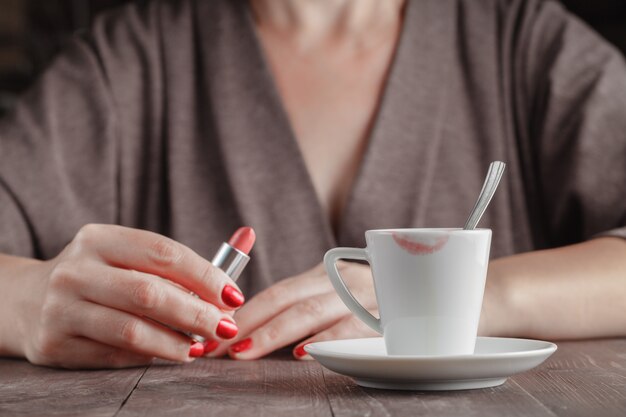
x=581 y=379
x=27 y=390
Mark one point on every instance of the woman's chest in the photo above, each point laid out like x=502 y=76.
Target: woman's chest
x=331 y=97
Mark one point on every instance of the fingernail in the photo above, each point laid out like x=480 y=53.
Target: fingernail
x=299 y=351
x=210 y=346
x=196 y=350
x=226 y=329
x=231 y=297
x=242 y=346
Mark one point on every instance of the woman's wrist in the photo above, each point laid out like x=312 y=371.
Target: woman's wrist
x=17 y=276
x=502 y=311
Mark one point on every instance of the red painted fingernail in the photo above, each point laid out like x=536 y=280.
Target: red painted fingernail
x=299 y=351
x=210 y=346
x=242 y=346
x=196 y=350
x=226 y=329
x=231 y=297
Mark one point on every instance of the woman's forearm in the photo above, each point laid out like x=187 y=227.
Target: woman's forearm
x=572 y=292
x=15 y=277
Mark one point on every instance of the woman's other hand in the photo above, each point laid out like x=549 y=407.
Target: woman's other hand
x=104 y=300
x=301 y=309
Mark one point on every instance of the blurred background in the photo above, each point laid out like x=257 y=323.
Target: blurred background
x=31 y=32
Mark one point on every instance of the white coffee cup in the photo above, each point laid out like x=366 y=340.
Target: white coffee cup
x=429 y=286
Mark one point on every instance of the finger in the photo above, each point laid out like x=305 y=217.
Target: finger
x=297 y=322
x=156 y=254
x=147 y=295
x=126 y=331
x=291 y=291
x=271 y=301
x=211 y=346
x=349 y=327
x=81 y=353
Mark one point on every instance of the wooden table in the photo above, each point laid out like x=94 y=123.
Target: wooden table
x=581 y=379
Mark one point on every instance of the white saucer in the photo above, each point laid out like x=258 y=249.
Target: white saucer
x=494 y=360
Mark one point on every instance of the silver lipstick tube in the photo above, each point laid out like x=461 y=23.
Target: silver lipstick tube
x=232 y=262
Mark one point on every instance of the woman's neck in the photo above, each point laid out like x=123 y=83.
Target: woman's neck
x=311 y=22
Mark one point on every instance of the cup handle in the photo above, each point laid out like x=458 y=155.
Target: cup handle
x=330 y=262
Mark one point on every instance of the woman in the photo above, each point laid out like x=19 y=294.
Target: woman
x=311 y=122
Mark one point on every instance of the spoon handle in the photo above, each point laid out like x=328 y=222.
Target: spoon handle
x=494 y=175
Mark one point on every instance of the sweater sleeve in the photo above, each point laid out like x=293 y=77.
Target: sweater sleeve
x=58 y=156
x=578 y=126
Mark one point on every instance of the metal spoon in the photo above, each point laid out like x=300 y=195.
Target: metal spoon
x=496 y=169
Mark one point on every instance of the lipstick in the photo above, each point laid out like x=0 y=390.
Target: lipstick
x=232 y=258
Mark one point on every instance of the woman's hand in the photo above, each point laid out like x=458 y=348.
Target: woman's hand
x=104 y=300
x=305 y=309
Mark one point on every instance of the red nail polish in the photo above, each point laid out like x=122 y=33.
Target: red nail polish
x=231 y=297
x=196 y=350
x=242 y=346
x=210 y=346
x=299 y=351
x=226 y=329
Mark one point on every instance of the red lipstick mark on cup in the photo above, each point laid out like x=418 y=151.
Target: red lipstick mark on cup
x=415 y=247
